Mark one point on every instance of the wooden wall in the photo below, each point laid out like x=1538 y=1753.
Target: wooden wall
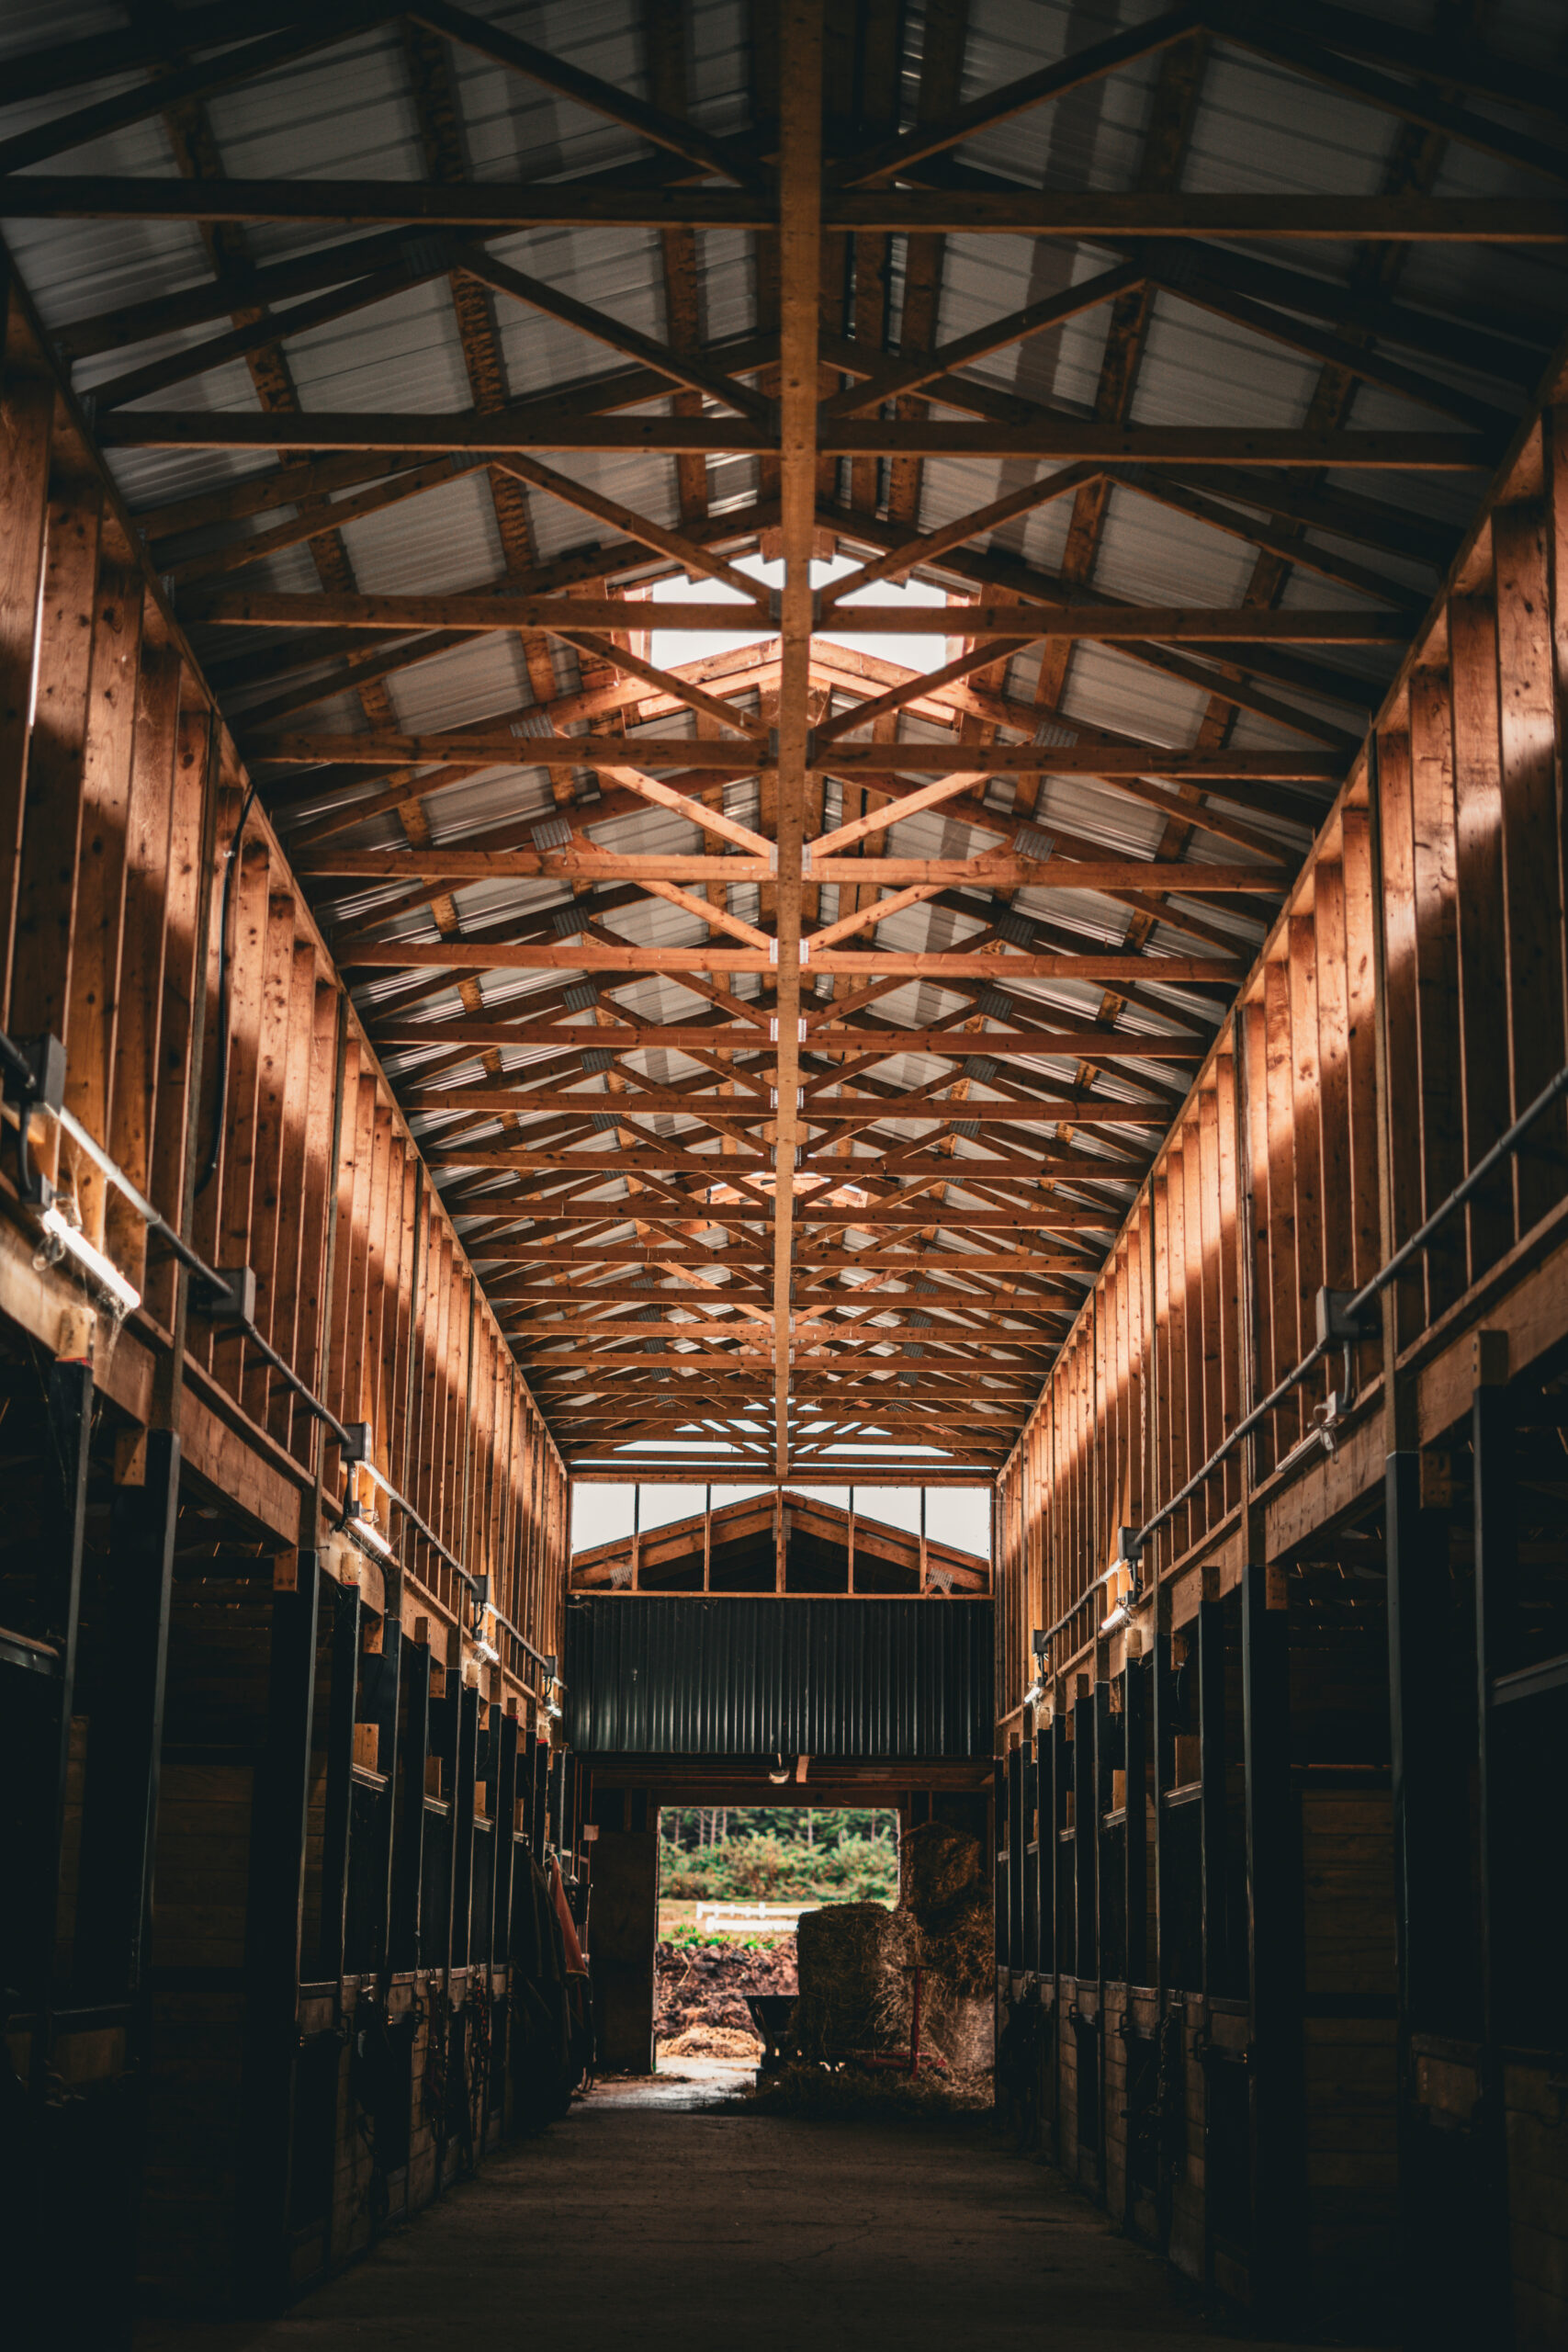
x=1319 y=1701
x=225 y=1844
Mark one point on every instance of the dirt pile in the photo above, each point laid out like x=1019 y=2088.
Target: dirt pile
x=706 y=1985
x=713 y=2041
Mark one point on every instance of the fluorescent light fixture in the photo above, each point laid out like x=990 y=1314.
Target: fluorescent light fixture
x=365 y=1532
x=1117 y=1619
x=58 y=1229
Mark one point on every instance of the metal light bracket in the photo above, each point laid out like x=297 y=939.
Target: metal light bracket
x=236 y=1301
x=1336 y=1324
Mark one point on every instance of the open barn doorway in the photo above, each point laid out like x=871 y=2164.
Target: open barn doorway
x=734 y=1883
x=828 y=1930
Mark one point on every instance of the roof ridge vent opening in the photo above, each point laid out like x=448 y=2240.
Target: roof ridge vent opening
x=1052 y=736
x=605 y=1123
x=425 y=256
x=597 y=1059
x=533 y=722
x=565 y=921
x=1030 y=842
x=970 y=1127
x=979 y=1066
x=552 y=833
x=580 y=997
x=1016 y=929
x=994 y=1004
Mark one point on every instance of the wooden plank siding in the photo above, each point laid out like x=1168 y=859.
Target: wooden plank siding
x=1408 y=1006
x=105 y=768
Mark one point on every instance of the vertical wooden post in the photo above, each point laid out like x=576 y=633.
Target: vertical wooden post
x=120 y=1796
x=1134 y=1732
x=339 y=1744
x=407 y=1846
x=1085 y=1839
x=27 y=422
x=1275 y=1974
x=275 y=1908
x=1015 y=1844
x=463 y=1822
x=382 y=1675
x=1496 y=1580
x=1211 y=1642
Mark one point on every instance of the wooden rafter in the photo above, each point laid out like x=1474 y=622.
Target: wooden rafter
x=825 y=1227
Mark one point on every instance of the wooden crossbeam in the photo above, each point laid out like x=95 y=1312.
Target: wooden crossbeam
x=1171 y=624
x=1066 y=439
x=1080 y=215
x=997 y=870
x=590 y=955
x=1287 y=763
x=1108 y=1044
x=727 y=1111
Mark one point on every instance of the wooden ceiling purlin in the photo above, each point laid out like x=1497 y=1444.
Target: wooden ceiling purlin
x=982 y=1195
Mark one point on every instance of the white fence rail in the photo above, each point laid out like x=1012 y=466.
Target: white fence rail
x=770 y=1919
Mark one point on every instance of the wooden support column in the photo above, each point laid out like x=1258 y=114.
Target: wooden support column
x=435 y=1901
x=1015 y=1844
x=337 y=1827
x=507 y=1787
x=1275 y=1949
x=1432 y=1742
x=1211 y=1642
x=1028 y=1861
x=27 y=420
x=463 y=1823
x=120 y=1796
x=274 y=1907
x=799 y=249
x=47 y=2304
x=1085 y=1840
x=380 y=1676
x=1042 y=1884
x=1134 y=1733
x=1162 y=1733
x=407 y=1845
x=70 y=1408
x=1496 y=1582
x=1001 y=1909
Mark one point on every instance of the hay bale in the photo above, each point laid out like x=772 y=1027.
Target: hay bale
x=959 y=1947
x=938 y=1867
x=855 y=1964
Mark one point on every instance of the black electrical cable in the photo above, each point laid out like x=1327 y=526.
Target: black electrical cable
x=221 y=1102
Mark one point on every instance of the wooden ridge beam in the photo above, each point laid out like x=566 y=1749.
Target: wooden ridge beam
x=398 y=866
x=1065 y=439
x=1172 y=624
x=884 y=1044
x=821 y=1111
x=1079 y=215
x=465 y=953
x=1287 y=764
x=641 y=1208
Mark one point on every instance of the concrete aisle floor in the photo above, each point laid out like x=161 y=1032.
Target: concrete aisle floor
x=666 y=2222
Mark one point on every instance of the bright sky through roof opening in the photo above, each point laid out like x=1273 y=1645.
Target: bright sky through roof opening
x=672 y=647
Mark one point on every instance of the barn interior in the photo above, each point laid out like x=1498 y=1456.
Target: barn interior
x=1037 y=969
